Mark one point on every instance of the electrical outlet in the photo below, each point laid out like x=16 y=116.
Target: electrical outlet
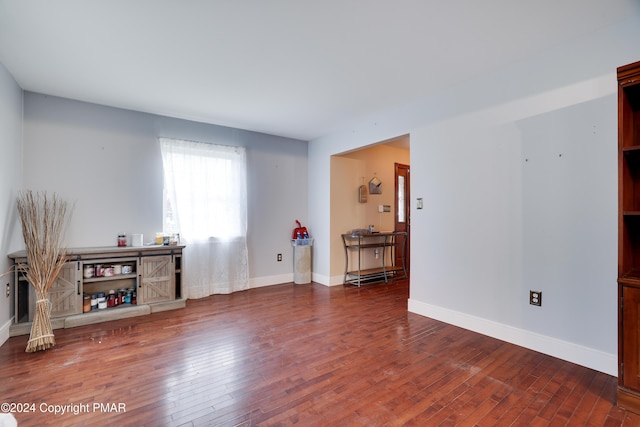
x=8 y=290
x=535 y=298
x=279 y=257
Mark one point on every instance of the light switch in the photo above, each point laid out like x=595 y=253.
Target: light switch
x=419 y=206
x=380 y=208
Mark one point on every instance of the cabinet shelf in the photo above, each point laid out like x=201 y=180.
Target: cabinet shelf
x=357 y=246
x=109 y=278
x=631 y=278
x=372 y=274
x=117 y=307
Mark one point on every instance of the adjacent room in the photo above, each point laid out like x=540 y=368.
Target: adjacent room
x=213 y=156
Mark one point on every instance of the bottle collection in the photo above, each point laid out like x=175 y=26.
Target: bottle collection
x=167 y=239
x=106 y=270
x=103 y=300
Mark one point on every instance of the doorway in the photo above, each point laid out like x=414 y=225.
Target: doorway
x=351 y=170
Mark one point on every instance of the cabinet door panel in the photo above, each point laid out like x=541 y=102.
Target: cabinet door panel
x=64 y=293
x=631 y=330
x=156 y=279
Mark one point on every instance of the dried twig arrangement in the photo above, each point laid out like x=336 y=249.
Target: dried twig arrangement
x=43 y=224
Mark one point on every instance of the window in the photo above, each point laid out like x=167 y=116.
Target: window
x=205 y=189
x=206 y=202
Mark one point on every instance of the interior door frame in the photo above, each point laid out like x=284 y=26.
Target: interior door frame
x=401 y=169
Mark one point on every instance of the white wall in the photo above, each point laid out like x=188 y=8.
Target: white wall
x=518 y=173
x=107 y=161
x=10 y=184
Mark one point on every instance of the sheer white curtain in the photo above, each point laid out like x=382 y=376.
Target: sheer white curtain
x=206 y=201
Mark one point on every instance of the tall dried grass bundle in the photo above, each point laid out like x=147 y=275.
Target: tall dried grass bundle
x=43 y=224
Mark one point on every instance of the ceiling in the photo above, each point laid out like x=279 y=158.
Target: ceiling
x=294 y=68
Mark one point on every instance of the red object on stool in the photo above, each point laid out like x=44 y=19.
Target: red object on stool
x=300 y=232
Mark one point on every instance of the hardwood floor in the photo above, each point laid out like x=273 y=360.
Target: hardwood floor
x=299 y=355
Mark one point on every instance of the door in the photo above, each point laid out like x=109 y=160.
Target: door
x=156 y=282
x=630 y=330
x=403 y=211
x=64 y=294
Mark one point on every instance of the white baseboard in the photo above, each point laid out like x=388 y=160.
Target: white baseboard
x=320 y=278
x=4 y=331
x=584 y=356
x=336 y=280
x=327 y=280
x=259 y=282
